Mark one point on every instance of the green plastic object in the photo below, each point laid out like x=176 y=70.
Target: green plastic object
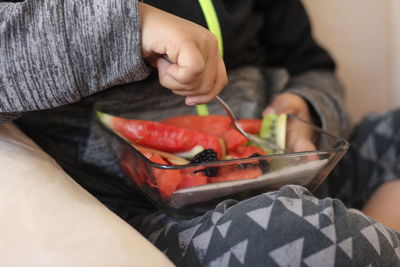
x=211 y=18
x=202 y=110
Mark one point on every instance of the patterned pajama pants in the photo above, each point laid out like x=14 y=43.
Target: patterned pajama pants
x=291 y=227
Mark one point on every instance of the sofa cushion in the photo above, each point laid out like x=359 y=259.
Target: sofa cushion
x=46 y=219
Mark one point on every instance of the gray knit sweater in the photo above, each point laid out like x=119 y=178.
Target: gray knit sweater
x=56 y=52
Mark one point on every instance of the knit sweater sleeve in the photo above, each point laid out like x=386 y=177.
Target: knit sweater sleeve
x=325 y=95
x=56 y=52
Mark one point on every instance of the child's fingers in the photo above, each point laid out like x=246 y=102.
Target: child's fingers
x=190 y=63
x=187 y=80
x=221 y=81
x=284 y=103
x=164 y=69
x=205 y=88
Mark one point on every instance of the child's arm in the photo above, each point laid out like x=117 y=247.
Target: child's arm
x=57 y=52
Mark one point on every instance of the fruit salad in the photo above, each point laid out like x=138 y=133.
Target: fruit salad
x=198 y=141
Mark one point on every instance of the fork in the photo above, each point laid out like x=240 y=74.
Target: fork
x=234 y=123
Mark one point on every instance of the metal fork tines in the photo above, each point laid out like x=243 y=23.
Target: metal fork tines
x=259 y=141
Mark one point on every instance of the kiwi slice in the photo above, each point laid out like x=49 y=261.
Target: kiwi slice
x=273 y=127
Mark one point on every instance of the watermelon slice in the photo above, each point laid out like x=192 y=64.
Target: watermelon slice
x=161 y=136
x=167 y=181
x=171 y=158
x=218 y=125
x=233 y=173
x=212 y=124
x=252 y=126
x=132 y=170
x=233 y=139
x=243 y=152
x=190 y=179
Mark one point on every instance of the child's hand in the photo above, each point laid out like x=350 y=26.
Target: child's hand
x=199 y=71
x=300 y=138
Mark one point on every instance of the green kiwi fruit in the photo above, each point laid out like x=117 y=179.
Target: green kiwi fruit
x=273 y=128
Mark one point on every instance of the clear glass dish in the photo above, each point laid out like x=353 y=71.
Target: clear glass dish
x=237 y=178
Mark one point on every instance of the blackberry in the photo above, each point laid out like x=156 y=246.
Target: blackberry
x=207 y=155
x=264 y=165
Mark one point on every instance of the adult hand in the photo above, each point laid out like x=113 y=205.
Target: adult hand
x=299 y=137
x=198 y=71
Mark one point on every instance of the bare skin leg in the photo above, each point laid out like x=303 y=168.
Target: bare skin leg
x=384 y=205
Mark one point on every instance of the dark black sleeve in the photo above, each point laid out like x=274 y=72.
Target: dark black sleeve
x=288 y=40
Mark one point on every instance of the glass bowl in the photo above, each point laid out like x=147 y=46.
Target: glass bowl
x=236 y=178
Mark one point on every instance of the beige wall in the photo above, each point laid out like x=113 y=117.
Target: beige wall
x=395 y=33
x=362 y=35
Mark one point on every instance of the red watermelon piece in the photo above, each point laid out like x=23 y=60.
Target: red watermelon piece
x=161 y=136
x=190 y=179
x=242 y=152
x=232 y=173
x=167 y=181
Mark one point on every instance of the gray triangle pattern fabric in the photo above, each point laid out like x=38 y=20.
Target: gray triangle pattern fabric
x=325 y=257
x=384 y=232
x=313 y=220
x=329 y=232
x=222 y=261
x=289 y=254
x=328 y=211
x=385 y=128
x=223 y=228
x=270 y=195
x=186 y=236
x=202 y=241
x=312 y=199
x=299 y=191
x=147 y=218
x=371 y=235
x=368 y=149
x=156 y=219
x=347 y=247
x=240 y=250
x=168 y=227
x=155 y=235
x=261 y=216
x=387 y=163
x=295 y=205
x=397 y=250
x=360 y=214
x=215 y=216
